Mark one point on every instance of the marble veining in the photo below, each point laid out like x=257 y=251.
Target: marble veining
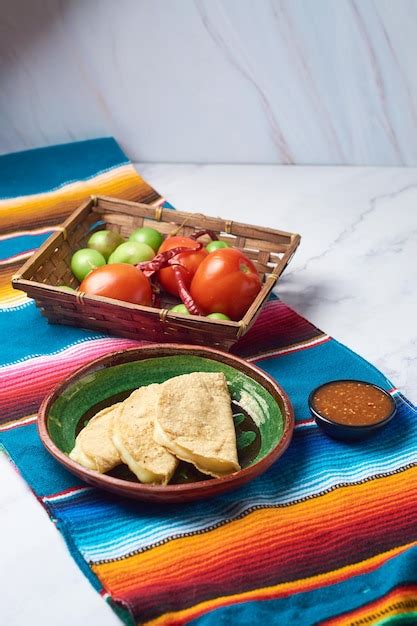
x=231 y=81
x=239 y=60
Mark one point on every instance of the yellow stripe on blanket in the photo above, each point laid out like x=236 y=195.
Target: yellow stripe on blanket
x=10 y=297
x=54 y=206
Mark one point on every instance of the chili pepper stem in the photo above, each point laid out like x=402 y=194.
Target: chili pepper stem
x=200 y=233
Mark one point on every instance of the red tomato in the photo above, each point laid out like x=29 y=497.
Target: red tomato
x=119 y=281
x=225 y=282
x=188 y=262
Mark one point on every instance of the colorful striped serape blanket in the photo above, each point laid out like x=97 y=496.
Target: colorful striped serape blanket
x=327 y=536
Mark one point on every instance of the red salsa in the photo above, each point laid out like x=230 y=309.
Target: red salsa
x=352 y=402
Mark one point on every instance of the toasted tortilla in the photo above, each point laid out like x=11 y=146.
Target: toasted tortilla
x=133 y=436
x=94 y=447
x=194 y=420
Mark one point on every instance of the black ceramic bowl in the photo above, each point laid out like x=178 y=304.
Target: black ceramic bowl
x=349 y=432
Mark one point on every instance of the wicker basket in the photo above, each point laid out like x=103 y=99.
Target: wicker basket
x=270 y=250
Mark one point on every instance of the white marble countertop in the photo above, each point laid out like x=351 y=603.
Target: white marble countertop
x=355 y=272
x=354 y=276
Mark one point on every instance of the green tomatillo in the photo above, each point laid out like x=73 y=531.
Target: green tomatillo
x=132 y=252
x=84 y=261
x=180 y=308
x=218 y=316
x=147 y=235
x=105 y=242
x=216 y=245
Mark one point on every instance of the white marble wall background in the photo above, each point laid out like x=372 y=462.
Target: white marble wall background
x=243 y=81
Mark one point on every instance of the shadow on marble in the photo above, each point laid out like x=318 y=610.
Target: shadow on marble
x=307 y=299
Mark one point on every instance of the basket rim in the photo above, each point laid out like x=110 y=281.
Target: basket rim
x=157 y=212
x=240 y=327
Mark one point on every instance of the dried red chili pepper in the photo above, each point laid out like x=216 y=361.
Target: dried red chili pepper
x=183 y=291
x=161 y=260
x=167 y=259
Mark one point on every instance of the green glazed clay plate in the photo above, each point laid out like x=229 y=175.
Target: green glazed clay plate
x=262 y=413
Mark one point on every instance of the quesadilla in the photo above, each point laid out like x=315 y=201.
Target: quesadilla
x=194 y=421
x=94 y=447
x=133 y=436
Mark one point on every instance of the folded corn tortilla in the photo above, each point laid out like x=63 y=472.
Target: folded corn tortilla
x=133 y=436
x=193 y=420
x=94 y=447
